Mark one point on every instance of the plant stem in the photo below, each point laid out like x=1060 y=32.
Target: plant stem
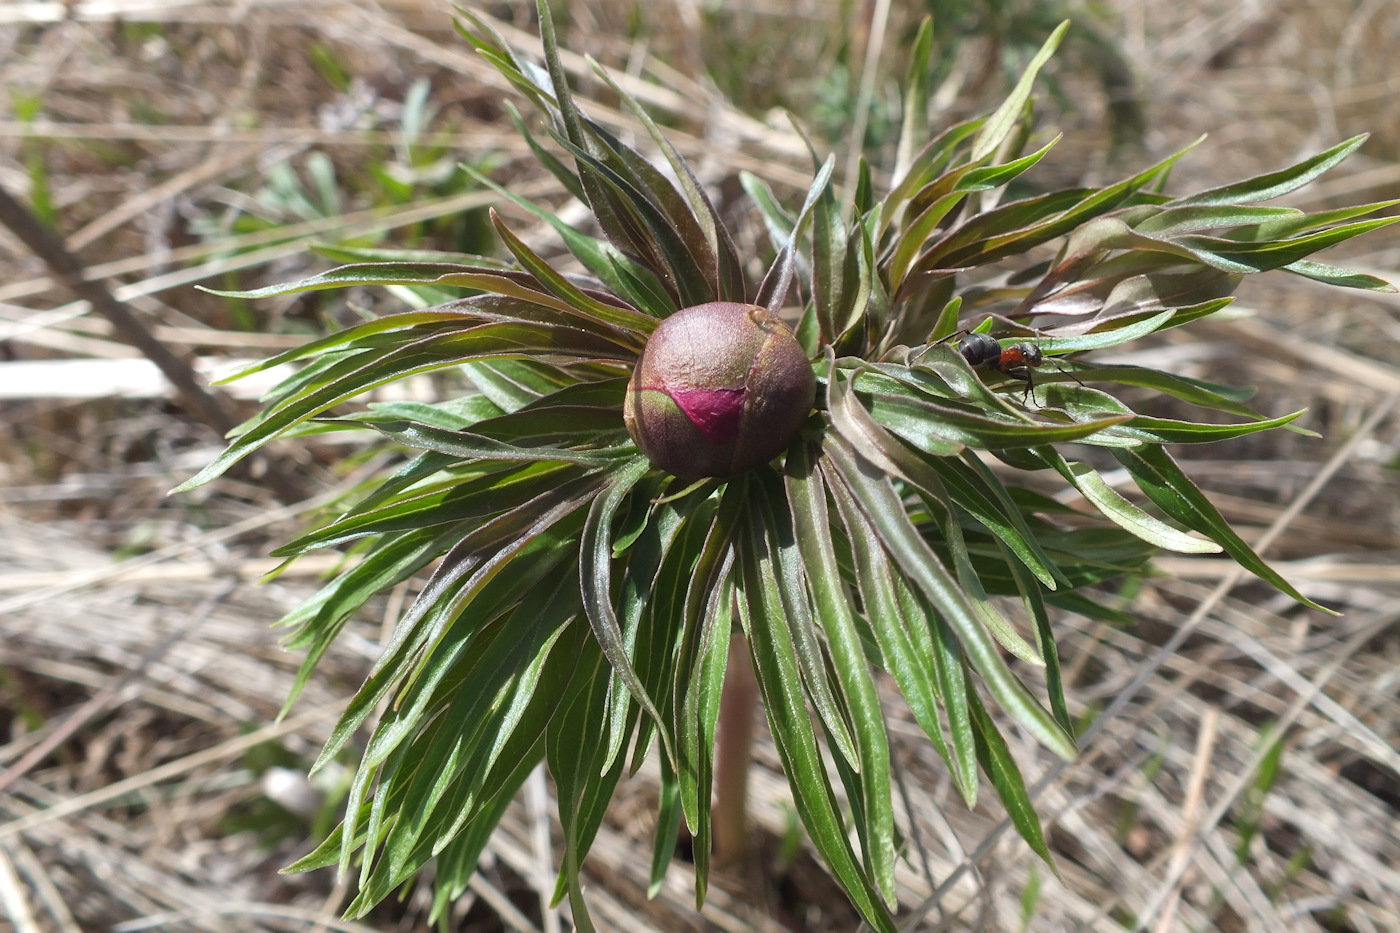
x=734 y=754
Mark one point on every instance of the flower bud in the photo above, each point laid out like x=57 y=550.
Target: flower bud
x=720 y=388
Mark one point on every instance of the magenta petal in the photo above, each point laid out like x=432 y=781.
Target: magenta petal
x=716 y=412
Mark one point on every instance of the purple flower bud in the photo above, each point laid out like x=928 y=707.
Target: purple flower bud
x=720 y=388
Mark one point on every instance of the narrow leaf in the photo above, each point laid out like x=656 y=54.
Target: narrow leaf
x=886 y=513
x=595 y=575
x=807 y=500
x=1006 y=778
x=1000 y=123
x=1274 y=184
x=1158 y=475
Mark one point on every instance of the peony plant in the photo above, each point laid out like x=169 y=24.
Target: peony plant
x=655 y=464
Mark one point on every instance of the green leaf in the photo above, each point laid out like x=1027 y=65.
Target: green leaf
x=574 y=745
x=700 y=671
x=623 y=275
x=647 y=610
x=934 y=428
x=926 y=474
x=1245 y=257
x=1102 y=340
x=558 y=169
x=595 y=574
x=886 y=513
x=778 y=279
x=465 y=499
x=909 y=660
x=371 y=334
x=456 y=863
x=703 y=713
x=1006 y=778
x=459 y=629
x=914 y=126
x=770 y=640
x=770 y=505
x=589 y=312
x=659 y=190
x=510 y=384
x=1274 y=184
x=343 y=253
x=685 y=273
x=983 y=495
x=1195 y=391
x=1158 y=475
x=778 y=222
x=467 y=445
x=1344 y=278
x=935 y=155
x=1168 y=431
x=947 y=323
x=959 y=184
x=1000 y=629
x=1000 y=123
x=668 y=824
x=566 y=291
x=835 y=268
x=350 y=377
x=832 y=606
x=1174 y=220
x=486 y=702
x=729 y=273
x=1033 y=596
x=1293 y=225
x=316 y=622
x=1016 y=227
x=452 y=415
x=1122 y=512
x=465 y=578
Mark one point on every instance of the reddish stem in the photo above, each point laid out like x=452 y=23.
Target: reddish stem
x=734 y=754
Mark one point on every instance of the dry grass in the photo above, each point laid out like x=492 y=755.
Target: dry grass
x=139 y=776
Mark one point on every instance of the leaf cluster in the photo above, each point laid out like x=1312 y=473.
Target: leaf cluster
x=580 y=605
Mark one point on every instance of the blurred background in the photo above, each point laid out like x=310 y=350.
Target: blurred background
x=145 y=780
